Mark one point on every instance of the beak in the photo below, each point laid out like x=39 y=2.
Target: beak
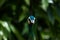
x=33 y=21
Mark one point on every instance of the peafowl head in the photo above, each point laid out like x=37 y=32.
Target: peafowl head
x=31 y=19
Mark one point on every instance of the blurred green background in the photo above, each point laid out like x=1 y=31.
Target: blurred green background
x=14 y=14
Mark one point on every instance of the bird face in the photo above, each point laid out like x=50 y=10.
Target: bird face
x=31 y=19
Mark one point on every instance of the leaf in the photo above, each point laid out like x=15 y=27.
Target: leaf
x=5 y=25
x=21 y=17
x=16 y=32
x=44 y=4
x=50 y=14
x=2 y=2
x=24 y=8
x=25 y=30
x=58 y=10
x=27 y=2
x=1 y=34
x=5 y=38
x=13 y=7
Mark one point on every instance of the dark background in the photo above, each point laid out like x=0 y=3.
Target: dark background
x=15 y=13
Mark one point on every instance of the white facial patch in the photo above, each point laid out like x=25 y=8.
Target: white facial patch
x=32 y=21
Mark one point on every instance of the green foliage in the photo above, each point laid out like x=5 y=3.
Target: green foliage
x=14 y=14
x=2 y=2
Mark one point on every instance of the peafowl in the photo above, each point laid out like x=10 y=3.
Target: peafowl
x=31 y=21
